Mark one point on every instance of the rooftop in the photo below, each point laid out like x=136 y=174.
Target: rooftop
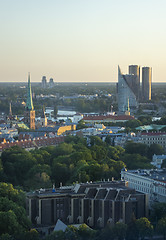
x=155 y=174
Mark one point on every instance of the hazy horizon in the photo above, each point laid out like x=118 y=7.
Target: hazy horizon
x=81 y=40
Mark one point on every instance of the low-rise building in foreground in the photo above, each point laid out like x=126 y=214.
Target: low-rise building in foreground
x=94 y=204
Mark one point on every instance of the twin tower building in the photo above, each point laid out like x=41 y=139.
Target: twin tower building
x=129 y=88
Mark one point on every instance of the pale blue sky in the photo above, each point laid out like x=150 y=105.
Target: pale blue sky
x=81 y=40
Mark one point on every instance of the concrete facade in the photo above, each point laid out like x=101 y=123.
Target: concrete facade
x=148 y=181
x=150 y=138
x=94 y=204
x=135 y=70
x=147 y=83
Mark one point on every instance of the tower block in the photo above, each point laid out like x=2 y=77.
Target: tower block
x=29 y=114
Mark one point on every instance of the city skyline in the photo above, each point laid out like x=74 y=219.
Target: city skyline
x=80 y=41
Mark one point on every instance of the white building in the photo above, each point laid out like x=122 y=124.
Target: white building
x=149 y=181
x=157 y=160
x=150 y=138
x=77 y=117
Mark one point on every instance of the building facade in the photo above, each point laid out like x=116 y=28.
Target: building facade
x=29 y=114
x=157 y=160
x=150 y=138
x=125 y=89
x=95 y=204
x=148 y=181
x=44 y=82
x=135 y=70
x=147 y=83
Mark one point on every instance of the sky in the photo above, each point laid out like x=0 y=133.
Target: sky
x=81 y=40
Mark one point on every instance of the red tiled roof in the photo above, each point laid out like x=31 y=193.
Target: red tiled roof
x=38 y=142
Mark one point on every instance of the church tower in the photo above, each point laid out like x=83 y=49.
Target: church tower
x=29 y=115
x=43 y=120
x=10 y=109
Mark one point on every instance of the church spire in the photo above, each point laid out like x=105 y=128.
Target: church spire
x=10 y=109
x=29 y=103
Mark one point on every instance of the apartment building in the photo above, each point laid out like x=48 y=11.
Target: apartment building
x=154 y=137
x=148 y=181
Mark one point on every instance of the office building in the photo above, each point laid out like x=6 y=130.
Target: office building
x=95 y=204
x=126 y=96
x=146 y=83
x=51 y=83
x=135 y=70
x=44 y=82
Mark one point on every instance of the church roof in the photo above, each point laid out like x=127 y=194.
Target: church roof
x=29 y=102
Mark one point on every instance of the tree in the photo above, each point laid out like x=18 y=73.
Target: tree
x=107 y=233
x=145 y=228
x=60 y=173
x=158 y=211
x=161 y=227
x=155 y=149
x=63 y=149
x=145 y=120
x=13 y=218
x=8 y=191
x=85 y=233
x=95 y=140
x=136 y=148
x=71 y=233
x=163 y=164
x=8 y=223
x=56 y=235
x=16 y=163
x=120 y=230
x=81 y=125
x=108 y=139
x=132 y=232
x=133 y=123
x=115 y=152
x=55 y=111
x=135 y=161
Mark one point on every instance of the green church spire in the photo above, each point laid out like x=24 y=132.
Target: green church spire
x=29 y=103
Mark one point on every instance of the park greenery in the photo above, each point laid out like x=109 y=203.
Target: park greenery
x=75 y=160
x=72 y=161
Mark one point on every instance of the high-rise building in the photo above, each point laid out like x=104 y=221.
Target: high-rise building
x=126 y=95
x=29 y=114
x=51 y=83
x=146 y=83
x=135 y=70
x=44 y=82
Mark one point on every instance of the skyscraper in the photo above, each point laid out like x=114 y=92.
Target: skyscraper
x=146 y=83
x=29 y=114
x=51 y=83
x=135 y=70
x=44 y=82
x=126 y=96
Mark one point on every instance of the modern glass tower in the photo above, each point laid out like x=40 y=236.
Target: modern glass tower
x=135 y=70
x=126 y=96
x=147 y=83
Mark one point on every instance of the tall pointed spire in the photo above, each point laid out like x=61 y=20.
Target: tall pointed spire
x=29 y=103
x=10 y=109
